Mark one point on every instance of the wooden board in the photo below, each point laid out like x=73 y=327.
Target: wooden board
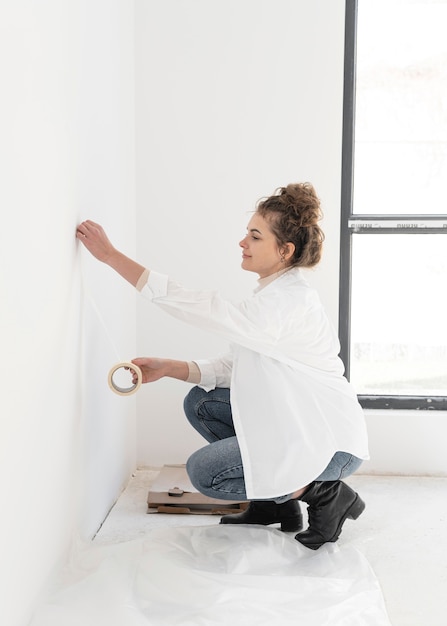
x=173 y=492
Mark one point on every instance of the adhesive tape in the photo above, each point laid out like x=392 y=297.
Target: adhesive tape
x=125 y=391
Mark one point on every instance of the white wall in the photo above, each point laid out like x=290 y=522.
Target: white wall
x=408 y=443
x=67 y=444
x=234 y=99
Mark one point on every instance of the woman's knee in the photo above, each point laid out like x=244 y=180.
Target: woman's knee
x=342 y=465
x=350 y=466
x=216 y=470
x=192 y=400
x=197 y=470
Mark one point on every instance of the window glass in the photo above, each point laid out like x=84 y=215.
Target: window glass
x=399 y=314
x=401 y=107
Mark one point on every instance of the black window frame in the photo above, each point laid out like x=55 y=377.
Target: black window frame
x=356 y=224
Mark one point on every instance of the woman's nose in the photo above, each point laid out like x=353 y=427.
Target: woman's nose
x=243 y=243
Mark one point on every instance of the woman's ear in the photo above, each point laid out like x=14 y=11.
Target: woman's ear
x=287 y=251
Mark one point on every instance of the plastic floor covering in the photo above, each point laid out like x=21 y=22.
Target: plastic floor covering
x=215 y=575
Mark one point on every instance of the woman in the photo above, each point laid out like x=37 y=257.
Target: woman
x=282 y=422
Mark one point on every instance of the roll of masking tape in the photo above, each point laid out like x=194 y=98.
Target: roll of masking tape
x=125 y=391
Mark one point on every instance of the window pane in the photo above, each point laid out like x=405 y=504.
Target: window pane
x=401 y=107
x=399 y=314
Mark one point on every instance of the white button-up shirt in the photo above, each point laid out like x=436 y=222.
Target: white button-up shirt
x=292 y=406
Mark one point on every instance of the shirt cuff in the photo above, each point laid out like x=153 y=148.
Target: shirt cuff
x=142 y=280
x=194 y=375
x=156 y=286
x=207 y=375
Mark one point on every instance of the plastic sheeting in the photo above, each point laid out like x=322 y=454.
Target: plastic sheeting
x=215 y=575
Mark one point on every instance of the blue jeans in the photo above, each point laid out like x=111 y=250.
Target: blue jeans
x=216 y=470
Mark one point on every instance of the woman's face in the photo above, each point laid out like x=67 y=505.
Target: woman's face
x=260 y=252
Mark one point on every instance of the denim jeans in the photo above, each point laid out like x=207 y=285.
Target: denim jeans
x=216 y=470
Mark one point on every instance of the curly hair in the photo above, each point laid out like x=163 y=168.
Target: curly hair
x=293 y=213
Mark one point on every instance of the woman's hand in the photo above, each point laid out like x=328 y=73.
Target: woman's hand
x=153 y=369
x=98 y=244
x=95 y=240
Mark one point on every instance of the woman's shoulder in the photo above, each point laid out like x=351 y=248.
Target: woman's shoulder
x=289 y=292
x=292 y=280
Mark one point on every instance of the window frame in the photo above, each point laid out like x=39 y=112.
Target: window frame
x=375 y=223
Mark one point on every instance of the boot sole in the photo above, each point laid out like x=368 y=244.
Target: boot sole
x=293 y=525
x=353 y=512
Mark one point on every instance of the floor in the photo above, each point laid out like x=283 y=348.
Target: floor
x=402 y=534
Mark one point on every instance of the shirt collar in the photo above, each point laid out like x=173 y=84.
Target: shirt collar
x=263 y=282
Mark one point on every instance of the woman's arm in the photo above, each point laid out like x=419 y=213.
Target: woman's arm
x=94 y=238
x=154 y=368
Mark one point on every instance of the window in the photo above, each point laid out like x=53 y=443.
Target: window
x=393 y=304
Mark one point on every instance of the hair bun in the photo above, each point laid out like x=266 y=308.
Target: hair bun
x=302 y=202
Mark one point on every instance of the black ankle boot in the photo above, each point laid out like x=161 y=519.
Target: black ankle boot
x=330 y=504
x=266 y=512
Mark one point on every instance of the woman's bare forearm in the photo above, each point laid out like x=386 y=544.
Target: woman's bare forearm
x=127 y=268
x=177 y=369
x=154 y=368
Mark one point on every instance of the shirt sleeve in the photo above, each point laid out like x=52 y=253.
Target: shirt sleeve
x=284 y=321
x=249 y=323
x=215 y=372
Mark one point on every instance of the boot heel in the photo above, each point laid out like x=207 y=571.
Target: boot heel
x=292 y=525
x=356 y=509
